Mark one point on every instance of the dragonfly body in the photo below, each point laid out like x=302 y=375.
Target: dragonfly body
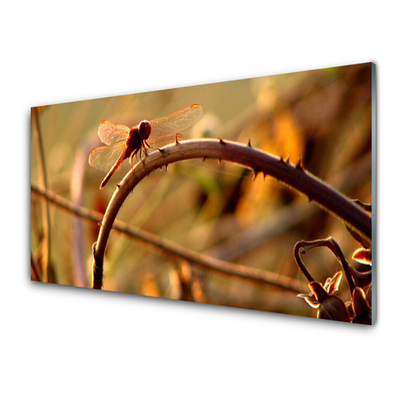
x=135 y=142
x=123 y=142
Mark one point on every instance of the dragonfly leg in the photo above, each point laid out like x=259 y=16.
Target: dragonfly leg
x=131 y=157
x=144 y=147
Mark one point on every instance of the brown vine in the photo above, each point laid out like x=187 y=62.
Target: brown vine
x=294 y=176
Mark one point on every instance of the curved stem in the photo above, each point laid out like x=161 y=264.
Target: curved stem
x=333 y=246
x=337 y=251
x=300 y=248
x=292 y=175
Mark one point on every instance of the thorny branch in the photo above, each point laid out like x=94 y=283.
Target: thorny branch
x=260 y=162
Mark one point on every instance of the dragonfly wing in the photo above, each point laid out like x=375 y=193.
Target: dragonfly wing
x=176 y=122
x=110 y=133
x=103 y=158
x=160 y=141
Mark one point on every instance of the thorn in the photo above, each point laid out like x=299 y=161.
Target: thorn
x=310 y=199
x=265 y=174
x=281 y=160
x=176 y=139
x=366 y=207
x=221 y=141
x=94 y=249
x=118 y=185
x=249 y=143
x=204 y=158
x=161 y=150
x=166 y=167
x=287 y=160
x=299 y=164
x=256 y=172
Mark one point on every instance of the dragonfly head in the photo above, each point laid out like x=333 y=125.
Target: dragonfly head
x=144 y=129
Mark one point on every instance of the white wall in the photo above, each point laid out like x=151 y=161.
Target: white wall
x=69 y=343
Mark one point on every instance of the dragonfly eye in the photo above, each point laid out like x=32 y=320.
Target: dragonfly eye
x=144 y=129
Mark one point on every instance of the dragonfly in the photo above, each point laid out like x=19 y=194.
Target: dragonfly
x=124 y=143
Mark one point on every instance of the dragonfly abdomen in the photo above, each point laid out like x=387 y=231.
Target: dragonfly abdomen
x=124 y=155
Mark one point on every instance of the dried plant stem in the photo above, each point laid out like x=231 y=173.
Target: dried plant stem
x=171 y=249
x=260 y=162
x=35 y=270
x=303 y=245
x=76 y=188
x=44 y=183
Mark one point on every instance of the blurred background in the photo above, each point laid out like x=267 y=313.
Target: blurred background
x=217 y=209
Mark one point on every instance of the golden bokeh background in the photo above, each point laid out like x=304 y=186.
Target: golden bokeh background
x=217 y=209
